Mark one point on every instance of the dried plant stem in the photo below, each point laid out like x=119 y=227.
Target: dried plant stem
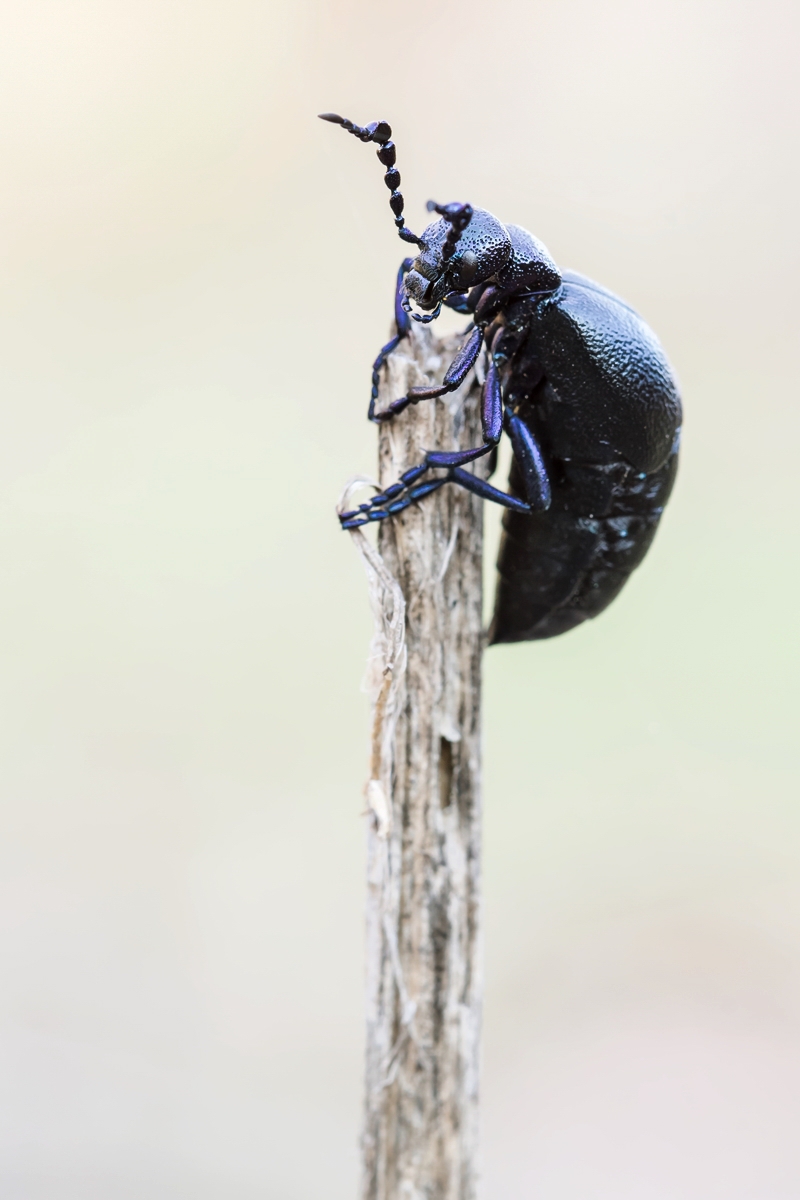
x=424 y=840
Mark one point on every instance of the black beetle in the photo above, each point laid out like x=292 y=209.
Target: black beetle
x=576 y=379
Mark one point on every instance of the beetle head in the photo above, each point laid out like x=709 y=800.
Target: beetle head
x=483 y=248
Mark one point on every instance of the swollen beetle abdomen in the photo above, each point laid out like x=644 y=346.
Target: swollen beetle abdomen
x=563 y=567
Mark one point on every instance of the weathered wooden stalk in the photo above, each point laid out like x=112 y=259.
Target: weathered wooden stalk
x=424 y=840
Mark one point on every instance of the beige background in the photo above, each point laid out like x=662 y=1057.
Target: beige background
x=195 y=277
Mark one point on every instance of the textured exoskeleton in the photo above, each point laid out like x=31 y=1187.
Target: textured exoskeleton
x=575 y=378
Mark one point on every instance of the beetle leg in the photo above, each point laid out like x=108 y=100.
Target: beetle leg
x=479 y=487
x=458 y=301
x=535 y=480
x=455 y=375
x=408 y=489
x=402 y=324
x=351 y=520
x=465 y=302
x=492 y=405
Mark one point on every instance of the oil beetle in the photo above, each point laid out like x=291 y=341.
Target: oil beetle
x=578 y=382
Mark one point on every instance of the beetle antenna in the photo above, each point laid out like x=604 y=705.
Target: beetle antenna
x=459 y=217
x=381 y=132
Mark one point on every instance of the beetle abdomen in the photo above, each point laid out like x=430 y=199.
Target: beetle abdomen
x=558 y=568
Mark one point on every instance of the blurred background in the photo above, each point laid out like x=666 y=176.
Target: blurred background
x=196 y=275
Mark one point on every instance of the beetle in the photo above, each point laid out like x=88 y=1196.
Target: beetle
x=577 y=381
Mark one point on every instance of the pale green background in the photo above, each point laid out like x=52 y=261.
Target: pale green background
x=195 y=277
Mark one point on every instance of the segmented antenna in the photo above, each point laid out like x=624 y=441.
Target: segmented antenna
x=381 y=132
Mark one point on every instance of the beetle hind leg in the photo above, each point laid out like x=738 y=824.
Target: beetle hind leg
x=410 y=488
x=378 y=509
x=480 y=487
x=529 y=459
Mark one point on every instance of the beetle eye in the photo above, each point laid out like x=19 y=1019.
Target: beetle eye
x=467 y=267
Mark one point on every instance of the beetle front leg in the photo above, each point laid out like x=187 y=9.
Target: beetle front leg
x=402 y=325
x=455 y=375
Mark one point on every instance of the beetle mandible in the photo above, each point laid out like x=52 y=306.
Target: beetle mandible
x=577 y=381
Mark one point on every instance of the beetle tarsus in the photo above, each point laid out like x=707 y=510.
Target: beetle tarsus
x=409 y=483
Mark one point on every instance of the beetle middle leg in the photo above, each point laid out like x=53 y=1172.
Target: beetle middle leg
x=398 y=501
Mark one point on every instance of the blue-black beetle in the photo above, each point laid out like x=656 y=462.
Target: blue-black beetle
x=579 y=383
